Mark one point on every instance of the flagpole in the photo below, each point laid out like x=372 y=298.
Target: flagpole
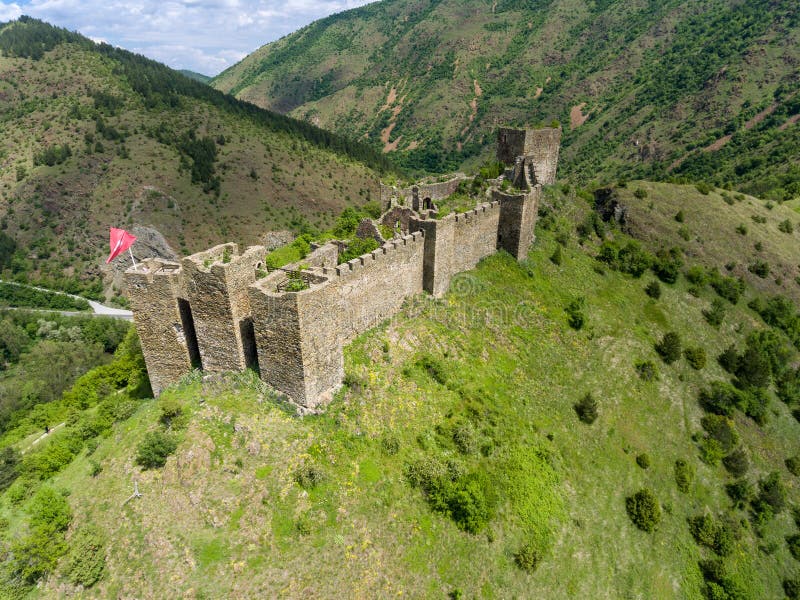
x=132 y=259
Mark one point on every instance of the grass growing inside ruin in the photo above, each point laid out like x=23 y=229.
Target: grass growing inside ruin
x=464 y=406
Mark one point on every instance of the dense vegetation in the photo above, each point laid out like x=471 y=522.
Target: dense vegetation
x=161 y=87
x=23 y=296
x=643 y=89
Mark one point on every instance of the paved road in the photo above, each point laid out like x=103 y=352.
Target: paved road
x=97 y=308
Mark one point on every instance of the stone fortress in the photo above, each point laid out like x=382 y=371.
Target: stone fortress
x=222 y=310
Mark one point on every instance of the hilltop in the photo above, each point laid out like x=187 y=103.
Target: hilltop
x=92 y=136
x=698 y=90
x=461 y=458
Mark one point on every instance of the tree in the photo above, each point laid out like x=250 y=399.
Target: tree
x=586 y=408
x=669 y=348
x=644 y=510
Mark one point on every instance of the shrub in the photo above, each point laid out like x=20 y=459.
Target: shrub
x=786 y=226
x=772 y=491
x=729 y=288
x=741 y=229
x=712 y=569
x=646 y=370
x=787 y=386
x=679 y=216
x=737 y=462
x=640 y=193
x=465 y=438
x=696 y=357
x=704 y=188
x=154 y=449
x=729 y=359
x=760 y=268
x=643 y=460
x=793 y=541
x=653 y=289
x=87 y=557
x=684 y=475
x=308 y=476
x=644 y=510
x=586 y=408
x=667 y=265
x=703 y=530
x=740 y=491
x=556 y=258
x=721 y=429
x=793 y=464
x=390 y=444
x=791 y=587
x=669 y=348
x=696 y=275
x=721 y=399
x=575 y=315
x=711 y=451
x=471 y=503
x=716 y=313
x=171 y=410
x=528 y=557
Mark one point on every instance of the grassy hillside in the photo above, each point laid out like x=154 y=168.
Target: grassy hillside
x=454 y=461
x=703 y=90
x=732 y=232
x=92 y=136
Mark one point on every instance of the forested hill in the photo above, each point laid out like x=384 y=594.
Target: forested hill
x=92 y=135
x=671 y=88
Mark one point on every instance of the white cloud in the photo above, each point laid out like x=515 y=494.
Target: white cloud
x=203 y=35
x=9 y=12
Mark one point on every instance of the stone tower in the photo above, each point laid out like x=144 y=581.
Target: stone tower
x=539 y=148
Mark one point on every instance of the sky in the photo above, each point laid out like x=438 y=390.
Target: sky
x=206 y=36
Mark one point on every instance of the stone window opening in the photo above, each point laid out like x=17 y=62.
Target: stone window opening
x=187 y=321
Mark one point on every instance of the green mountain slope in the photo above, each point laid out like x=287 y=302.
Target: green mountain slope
x=703 y=90
x=454 y=462
x=92 y=136
x=196 y=76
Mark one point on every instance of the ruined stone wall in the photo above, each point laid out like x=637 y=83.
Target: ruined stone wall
x=541 y=150
x=439 y=243
x=217 y=293
x=474 y=236
x=516 y=230
x=301 y=335
x=510 y=144
x=326 y=255
x=153 y=289
x=538 y=146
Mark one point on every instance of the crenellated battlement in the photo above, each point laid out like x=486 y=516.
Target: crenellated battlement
x=220 y=310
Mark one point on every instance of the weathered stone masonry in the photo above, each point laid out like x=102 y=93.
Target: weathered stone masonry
x=219 y=310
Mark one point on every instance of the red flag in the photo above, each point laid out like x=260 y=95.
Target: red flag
x=121 y=240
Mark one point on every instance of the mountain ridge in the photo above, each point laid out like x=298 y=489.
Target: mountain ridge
x=633 y=83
